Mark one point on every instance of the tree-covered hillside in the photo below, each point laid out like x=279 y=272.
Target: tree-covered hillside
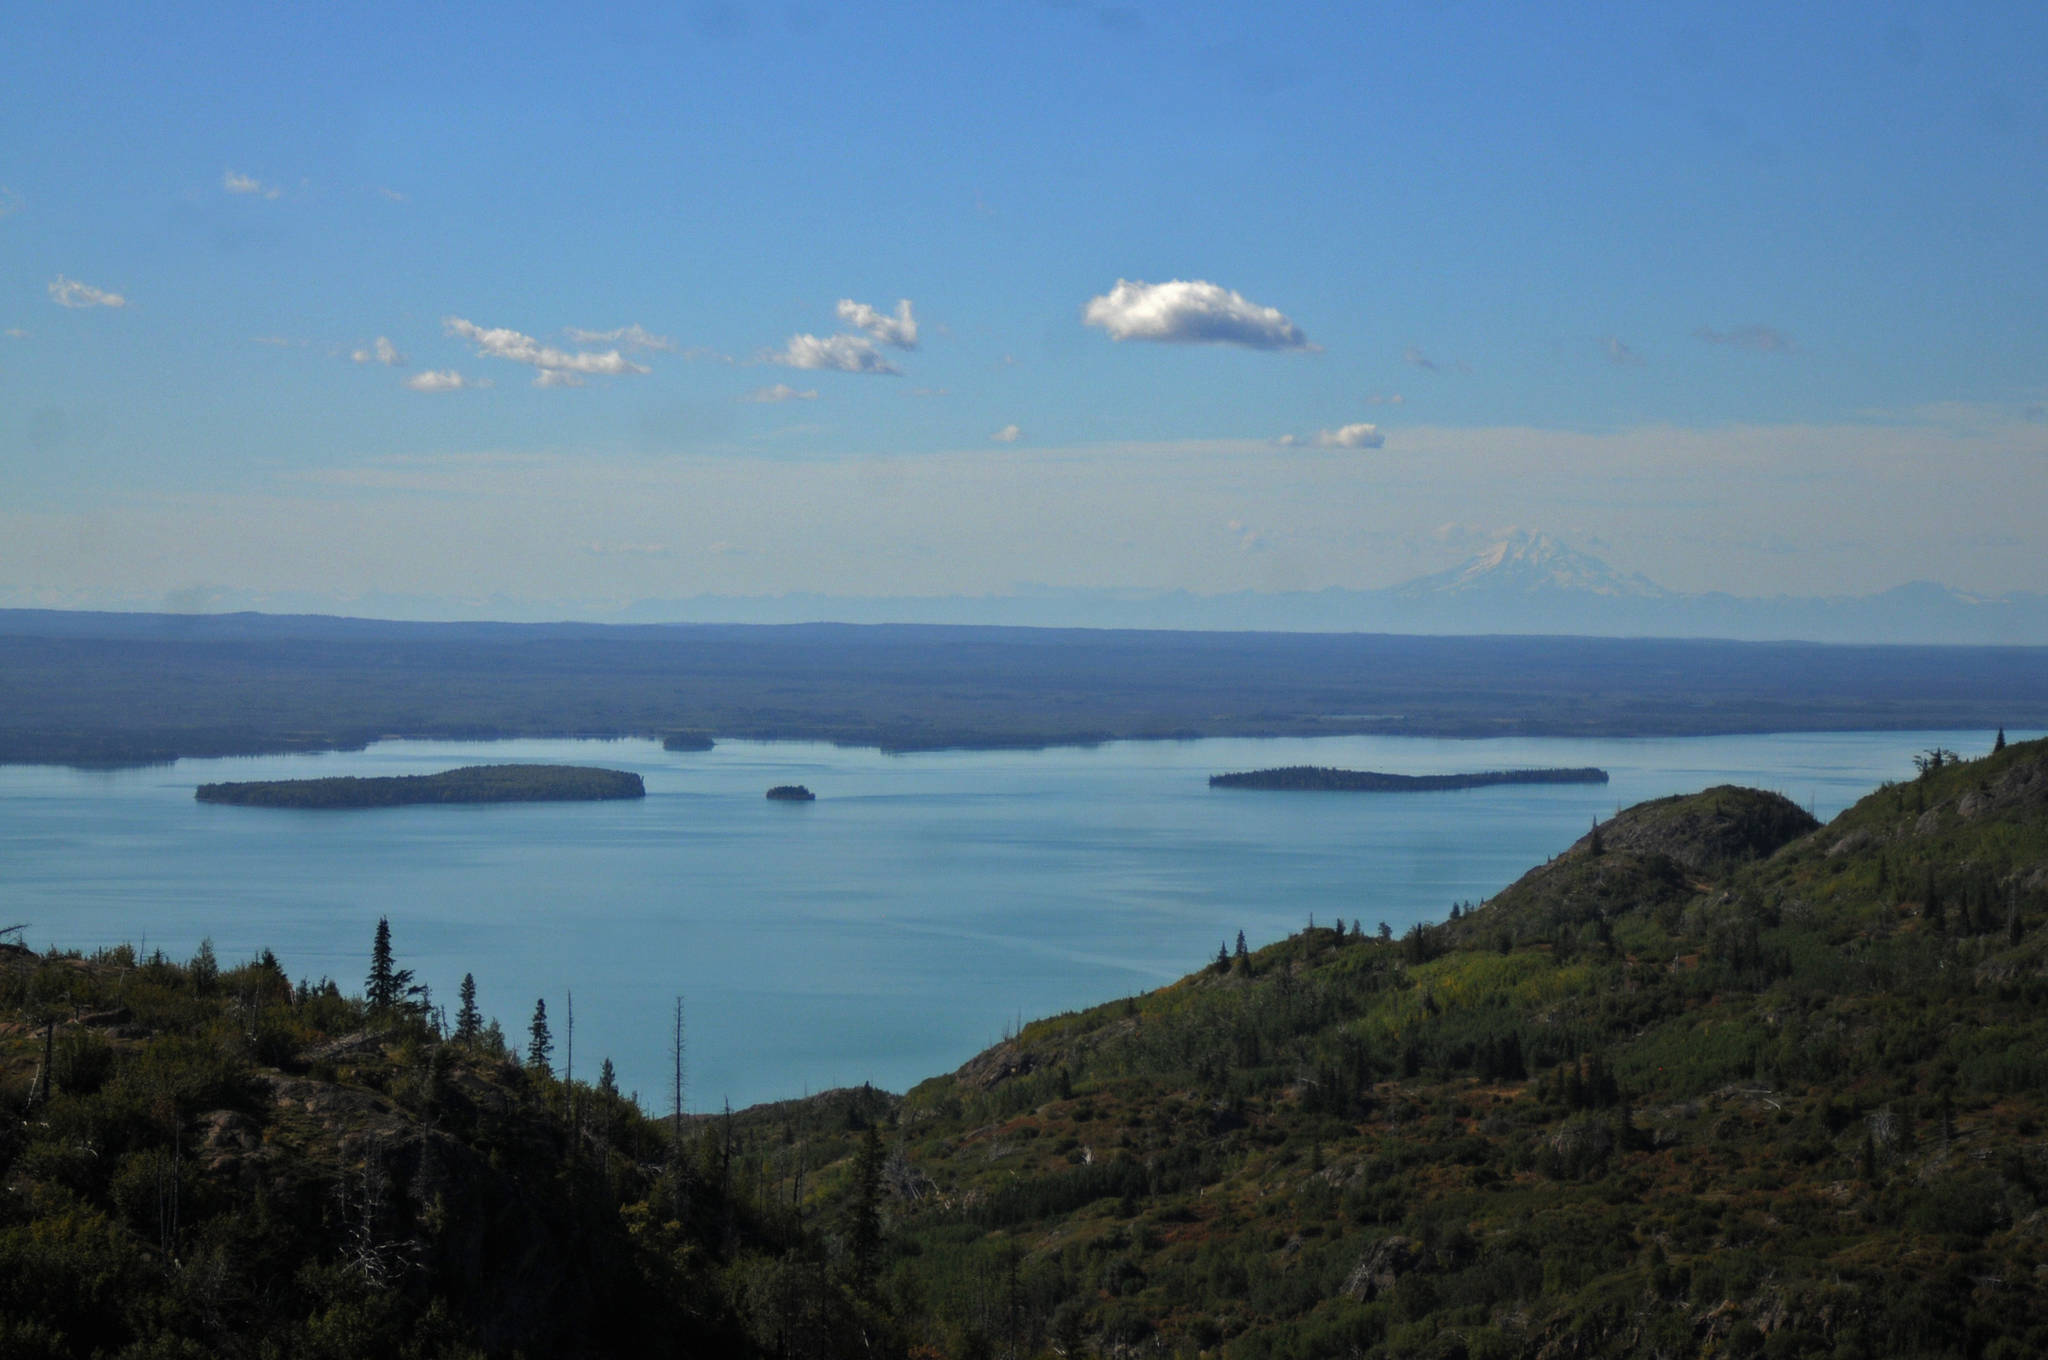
x=1712 y=1082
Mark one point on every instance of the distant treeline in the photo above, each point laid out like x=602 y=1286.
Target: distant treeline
x=1320 y=778
x=107 y=689
x=471 y=784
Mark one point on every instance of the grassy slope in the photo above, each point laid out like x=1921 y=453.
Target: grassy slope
x=1683 y=1096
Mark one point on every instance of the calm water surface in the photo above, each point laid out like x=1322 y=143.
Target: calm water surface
x=884 y=933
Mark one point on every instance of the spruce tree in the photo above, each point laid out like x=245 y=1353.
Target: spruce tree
x=468 y=1023
x=540 y=1045
x=1998 y=745
x=388 y=987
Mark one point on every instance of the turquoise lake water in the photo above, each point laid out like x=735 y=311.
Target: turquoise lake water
x=884 y=933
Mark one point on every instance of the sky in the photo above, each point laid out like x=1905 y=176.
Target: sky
x=562 y=309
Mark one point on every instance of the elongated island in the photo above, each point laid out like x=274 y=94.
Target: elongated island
x=1321 y=779
x=470 y=784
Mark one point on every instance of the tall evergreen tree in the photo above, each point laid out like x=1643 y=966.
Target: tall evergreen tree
x=1998 y=745
x=468 y=1022
x=540 y=1045
x=388 y=987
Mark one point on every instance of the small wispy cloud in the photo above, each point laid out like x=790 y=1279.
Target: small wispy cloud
x=443 y=380
x=392 y=195
x=248 y=185
x=558 y=368
x=632 y=337
x=10 y=202
x=899 y=330
x=380 y=351
x=1619 y=354
x=16 y=333
x=1758 y=339
x=780 y=392
x=1360 y=435
x=837 y=353
x=1190 y=312
x=1009 y=434
x=1415 y=358
x=1385 y=399
x=71 y=293
x=628 y=549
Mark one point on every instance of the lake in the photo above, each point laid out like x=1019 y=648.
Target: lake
x=922 y=906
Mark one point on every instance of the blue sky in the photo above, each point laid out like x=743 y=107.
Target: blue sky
x=523 y=304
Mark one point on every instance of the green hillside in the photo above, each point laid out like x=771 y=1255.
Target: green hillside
x=1713 y=1082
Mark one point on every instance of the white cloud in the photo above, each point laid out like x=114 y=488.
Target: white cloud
x=1009 y=434
x=16 y=333
x=443 y=380
x=1190 y=312
x=392 y=195
x=632 y=337
x=899 y=330
x=10 y=201
x=236 y=183
x=839 y=353
x=1759 y=339
x=1360 y=435
x=71 y=293
x=1392 y=399
x=778 y=393
x=381 y=352
x=503 y=343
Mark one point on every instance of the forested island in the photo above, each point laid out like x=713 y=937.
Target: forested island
x=471 y=784
x=792 y=793
x=1320 y=778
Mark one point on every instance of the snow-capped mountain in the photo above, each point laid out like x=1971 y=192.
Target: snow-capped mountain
x=1527 y=563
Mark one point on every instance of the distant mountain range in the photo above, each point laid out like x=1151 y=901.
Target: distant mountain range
x=1527 y=583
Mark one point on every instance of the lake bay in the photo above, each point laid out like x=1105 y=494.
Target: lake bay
x=923 y=905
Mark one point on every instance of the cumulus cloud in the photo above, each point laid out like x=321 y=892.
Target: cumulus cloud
x=558 y=368
x=899 y=330
x=778 y=393
x=1359 y=435
x=443 y=380
x=381 y=352
x=1618 y=353
x=632 y=337
x=237 y=183
x=1009 y=434
x=840 y=353
x=1757 y=339
x=1190 y=312
x=71 y=293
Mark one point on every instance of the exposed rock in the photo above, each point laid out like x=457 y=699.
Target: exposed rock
x=1382 y=1267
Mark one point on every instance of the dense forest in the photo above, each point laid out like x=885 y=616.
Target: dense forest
x=470 y=784
x=115 y=688
x=1714 y=1081
x=1322 y=779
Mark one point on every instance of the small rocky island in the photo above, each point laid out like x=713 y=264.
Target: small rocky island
x=1320 y=779
x=471 y=784
x=686 y=741
x=792 y=793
